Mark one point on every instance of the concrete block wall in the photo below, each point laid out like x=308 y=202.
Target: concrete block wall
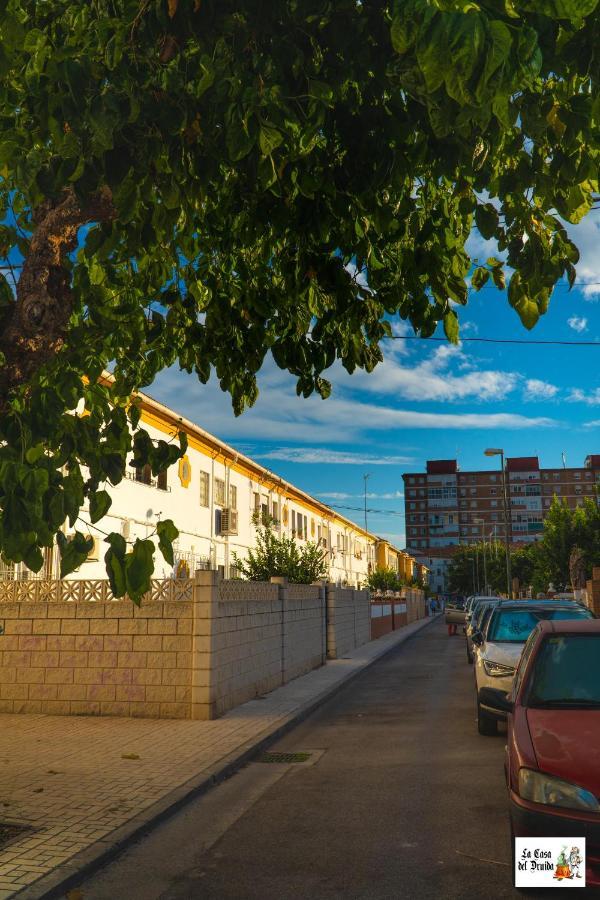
x=98 y=657
x=257 y=635
x=304 y=629
x=348 y=620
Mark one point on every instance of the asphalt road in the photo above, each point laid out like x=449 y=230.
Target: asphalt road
x=400 y=799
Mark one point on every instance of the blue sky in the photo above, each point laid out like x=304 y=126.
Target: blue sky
x=427 y=400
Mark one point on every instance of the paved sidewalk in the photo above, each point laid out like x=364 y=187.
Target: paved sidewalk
x=89 y=785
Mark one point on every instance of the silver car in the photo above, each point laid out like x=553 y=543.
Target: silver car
x=477 y=622
x=499 y=649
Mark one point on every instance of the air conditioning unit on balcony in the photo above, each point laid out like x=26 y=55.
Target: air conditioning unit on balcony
x=229 y=521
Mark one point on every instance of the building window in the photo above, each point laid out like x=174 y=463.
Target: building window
x=577 y=475
x=219 y=492
x=492 y=477
x=493 y=503
x=556 y=476
x=276 y=511
x=204 y=488
x=493 y=492
x=588 y=474
x=473 y=504
x=161 y=480
x=413 y=505
x=473 y=491
x=293 y=520
x=232 y=496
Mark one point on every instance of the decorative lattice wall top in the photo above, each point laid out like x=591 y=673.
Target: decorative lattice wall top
x=87 y=590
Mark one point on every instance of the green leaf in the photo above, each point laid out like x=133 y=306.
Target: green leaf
x=269 y=138
x=528 y=312
x=33 y=454
x=73 y=551
x=480 y=277
x=100 y=503
x=139 y=566
x=486 y=219
x=451 y=327
x=115 y=563
x=167 y=533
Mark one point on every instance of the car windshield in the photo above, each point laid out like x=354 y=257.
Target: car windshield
x=566 y=672
x=513 y=626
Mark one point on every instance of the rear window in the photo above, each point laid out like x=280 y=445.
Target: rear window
x=455 y=604
x=566 y=672
x=513 y=626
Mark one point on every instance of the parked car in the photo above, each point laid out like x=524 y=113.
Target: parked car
x=455 y=611
x=552 y=759
x=500 y=648
x=478 y=621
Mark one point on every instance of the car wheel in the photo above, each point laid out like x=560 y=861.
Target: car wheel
x=486 y=725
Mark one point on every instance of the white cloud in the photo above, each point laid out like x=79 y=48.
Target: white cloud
x=539 y=390
x=324 y=456
x=579 y=396
x=577 y=324
x=432 y=378
x=586 y=236
x=469 y=328
x=595 y=423
x=280 y=416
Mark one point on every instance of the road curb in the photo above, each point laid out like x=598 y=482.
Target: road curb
x=86 y=862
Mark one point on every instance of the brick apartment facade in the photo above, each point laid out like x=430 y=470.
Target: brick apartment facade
x=445 y=506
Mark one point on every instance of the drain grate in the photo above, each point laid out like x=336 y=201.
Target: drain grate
x=10 y=832
x=283 y=757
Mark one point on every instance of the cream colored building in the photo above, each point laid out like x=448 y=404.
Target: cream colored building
x=217 y=496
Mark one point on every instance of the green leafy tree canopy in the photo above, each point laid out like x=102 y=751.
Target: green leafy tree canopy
x=384 y=579
x=282 y=556
x=201 y=183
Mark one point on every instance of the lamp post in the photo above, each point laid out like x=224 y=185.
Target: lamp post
x=493 y=451
x=366 y=478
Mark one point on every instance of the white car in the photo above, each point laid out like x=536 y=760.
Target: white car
x=499 y=649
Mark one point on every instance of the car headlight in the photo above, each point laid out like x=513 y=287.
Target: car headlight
x=497 y=670
x=541 y=788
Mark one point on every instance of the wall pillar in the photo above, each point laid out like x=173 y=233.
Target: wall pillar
x=204 y=631
x=282 y=581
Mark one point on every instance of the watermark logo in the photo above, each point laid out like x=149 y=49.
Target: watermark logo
x=550 y=862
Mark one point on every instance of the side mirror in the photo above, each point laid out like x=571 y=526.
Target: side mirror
x=477 y=638
x=496 y=699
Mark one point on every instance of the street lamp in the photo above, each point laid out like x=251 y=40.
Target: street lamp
x=366 y=478
x=493 y=451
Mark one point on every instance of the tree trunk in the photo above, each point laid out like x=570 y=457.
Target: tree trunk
x=37 y=328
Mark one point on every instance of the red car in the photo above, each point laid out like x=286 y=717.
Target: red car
x=553 y=748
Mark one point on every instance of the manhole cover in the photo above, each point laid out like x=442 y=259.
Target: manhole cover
x=283 y=757
x=10 y=832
